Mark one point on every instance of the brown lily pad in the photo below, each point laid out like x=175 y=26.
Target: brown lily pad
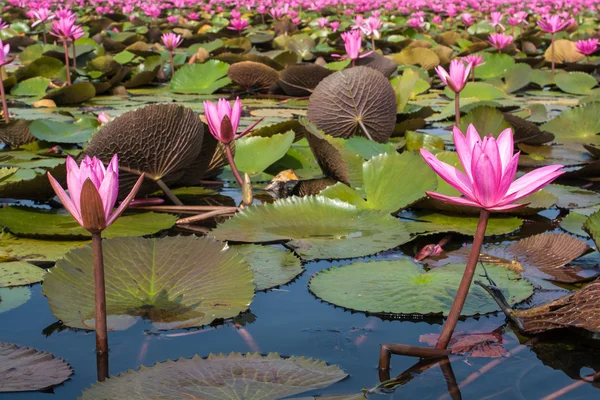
x=357 y=101
x=24 y=369
x=16 y=133
x=526 y=131
x=300 y=80
x=475 y=344
x=75 y=94
x=252 y=75
x=379 y=63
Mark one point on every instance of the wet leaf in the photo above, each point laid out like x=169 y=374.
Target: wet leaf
x=573 y=197
x=472 y=344
x=401 y=287
x=316 y=227
x=575 y=82
x=24 y=369
x=60 y=132
x=428 y=223
x=14 y=248
x=250 y=376
x=254 y=154
x=175 y=282
x=200 y=78
x=270 y=265
x=19 y=273
x=578 y=124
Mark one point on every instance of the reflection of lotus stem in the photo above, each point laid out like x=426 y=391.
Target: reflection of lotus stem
x=100 y=313
x=44 y=32
x=457 y=108
x=172 y=61
x=552 y=55
x=4 y=105
x=234 y=169
x=465 y=283
x=364 y=128
x=67 y=63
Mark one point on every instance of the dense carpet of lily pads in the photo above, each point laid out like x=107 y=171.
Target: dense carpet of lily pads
x=261 y=138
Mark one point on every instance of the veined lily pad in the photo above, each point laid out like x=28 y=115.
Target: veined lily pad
x=316 y=227
x=60 y=132
x=271 y=266
x=495 y=65
x=20 y=273
x=13 y=248
x=176 y=282
x=575 y=82
x=200 y=78
x=428 y=223
x=401 y=287
x=254 y=154
x=23 y=369
x=487 y=121
x=578 y=124
x=30 y=222
x=11 y=298
x=233 y=376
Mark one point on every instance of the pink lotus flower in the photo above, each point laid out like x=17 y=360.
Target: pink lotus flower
x=458 y=76
x=172 y=19
x=496 y=19
x=490 y=168
x=106 y=183
x=500 y=40
x=358 y=22
x=474 y=59
x=371 y=26
x=554 y=23
x=223 y=120
x=4 y=50
x=103 y=118
x=41 y=16
x=322 y=22
x=467 y=19
x=352 y=44
x=3 y=25
x=334 y=25
x=65 y=29
x=171 y=40
x=238 y=25
x=587 y=47
x=416 y=22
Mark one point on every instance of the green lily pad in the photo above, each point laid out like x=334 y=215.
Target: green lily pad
x=346 y=194
x=208 y=46
x=176 y=282
x=570 y=197
x=75 y=94
x=517 y=77
x=35 y=51
x=542 y=77
x=496 y=65
x=46 y=67
x=575 y=82
x=254 y=154
x=401 y=287
x=578 y=124
x=573 y=223
x=478 y=90
x=60 y=132
x=592 y=226
x=33 y=87
x=271 y=266
x=14 y=248
x=428 y=223
x=418 y=140
x=487 y=121
x=200 y=78
x=25 y=369
x=366 y=148
x=30 y=222
x=11 y=298
x=20 y=273
x=233 y=376
x=316 y=227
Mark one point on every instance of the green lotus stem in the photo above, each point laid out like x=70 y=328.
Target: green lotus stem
x=4 y=105
x=234 y=169
x=457 y=105
x=552 y=54
x=364 y=128
x=67 y=63
x=74 y=56
x=100 y=307
x=465 y=283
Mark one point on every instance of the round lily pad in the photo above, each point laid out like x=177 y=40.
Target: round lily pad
x=175 y=282
x=11 y=298
x=271 y=266
x=576 y=82
x=316 y=227
x=28 y=222
x=428 y=223
x=578 y=124
x=401 y=287
x=200 y=78
x=20 y=273
x=24 y=369
x=254 y=154
x=233 y=376
x=14 y=248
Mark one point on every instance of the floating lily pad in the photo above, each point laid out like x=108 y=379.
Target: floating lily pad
x=200 y=78
x=14 y=248
x=33 y=87
x=366 y=148
x=427 y=223
x=573 y=223
x=573 y=197
x=496 y=65
x=24 y=369
x=234 y=376
x=575 y=82
x=271 y=266
x=578 y=124
x=20 y=273
x=32 y=222
x=478 y=90
x=517 y=77
x=75 y=94
x=487 y=121
x=316 y=227
x=564 y=51
x=60 y=132
x=424 y=57
x=401 y=287
x=175 y=282
x=13 y=297
x=254 y=154
x=347 y=102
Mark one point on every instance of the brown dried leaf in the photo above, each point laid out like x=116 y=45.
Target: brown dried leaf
x=16 y=133
x=379 y=63
x=300 y=80
x=345 y=101
x=476 y=344
x=252 y=75
x=564 y=51
x=526 y=131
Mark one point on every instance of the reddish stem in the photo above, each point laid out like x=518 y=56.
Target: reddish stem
x=67 y=63
x=457 y=109
x=4 y=105
x=100 y=310
x=234 y=169
x=552 y=55
x=465 y=283
x=172 y=61
x=74 y=56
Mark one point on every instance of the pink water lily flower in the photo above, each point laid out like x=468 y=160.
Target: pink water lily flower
x=587 y=47
x=554 y=23
x=4 y=50
x=238 y=25
x=496 y=19
x=3 y=25
x=106 y=182
x=171 y=40
x=458 y=76
x=352 y=44
x=225 y=129
x=500 y=40
x=474 y=59
x=490 y=168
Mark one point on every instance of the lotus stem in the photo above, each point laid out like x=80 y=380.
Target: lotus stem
x=473 y=75
x=364 y=128
x=67 y=63
x=457 y=109
x=4 y=105
x=234 y=169
x=448 y=372
x=44 y=32
x=552 y=54
x=172 y=61
x=169 y=193
x=465 y=283
x=373 y=42
x=100 y=311
x=102 y=366
x=74 y=56
x=207 y=215
x=353 y=63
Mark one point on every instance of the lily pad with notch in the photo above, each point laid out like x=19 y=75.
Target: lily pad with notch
x=271 y=266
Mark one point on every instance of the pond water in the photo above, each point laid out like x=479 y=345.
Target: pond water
x=291 y=321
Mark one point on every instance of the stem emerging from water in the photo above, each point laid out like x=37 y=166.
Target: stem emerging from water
x=4 y=105
x=552 y=55
x=100 y=314
x=67 y=63
x=234 y=169
x=465 y=283
x=172 y=61
x=74 y=56
x=44 y=32
x=457 y=109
